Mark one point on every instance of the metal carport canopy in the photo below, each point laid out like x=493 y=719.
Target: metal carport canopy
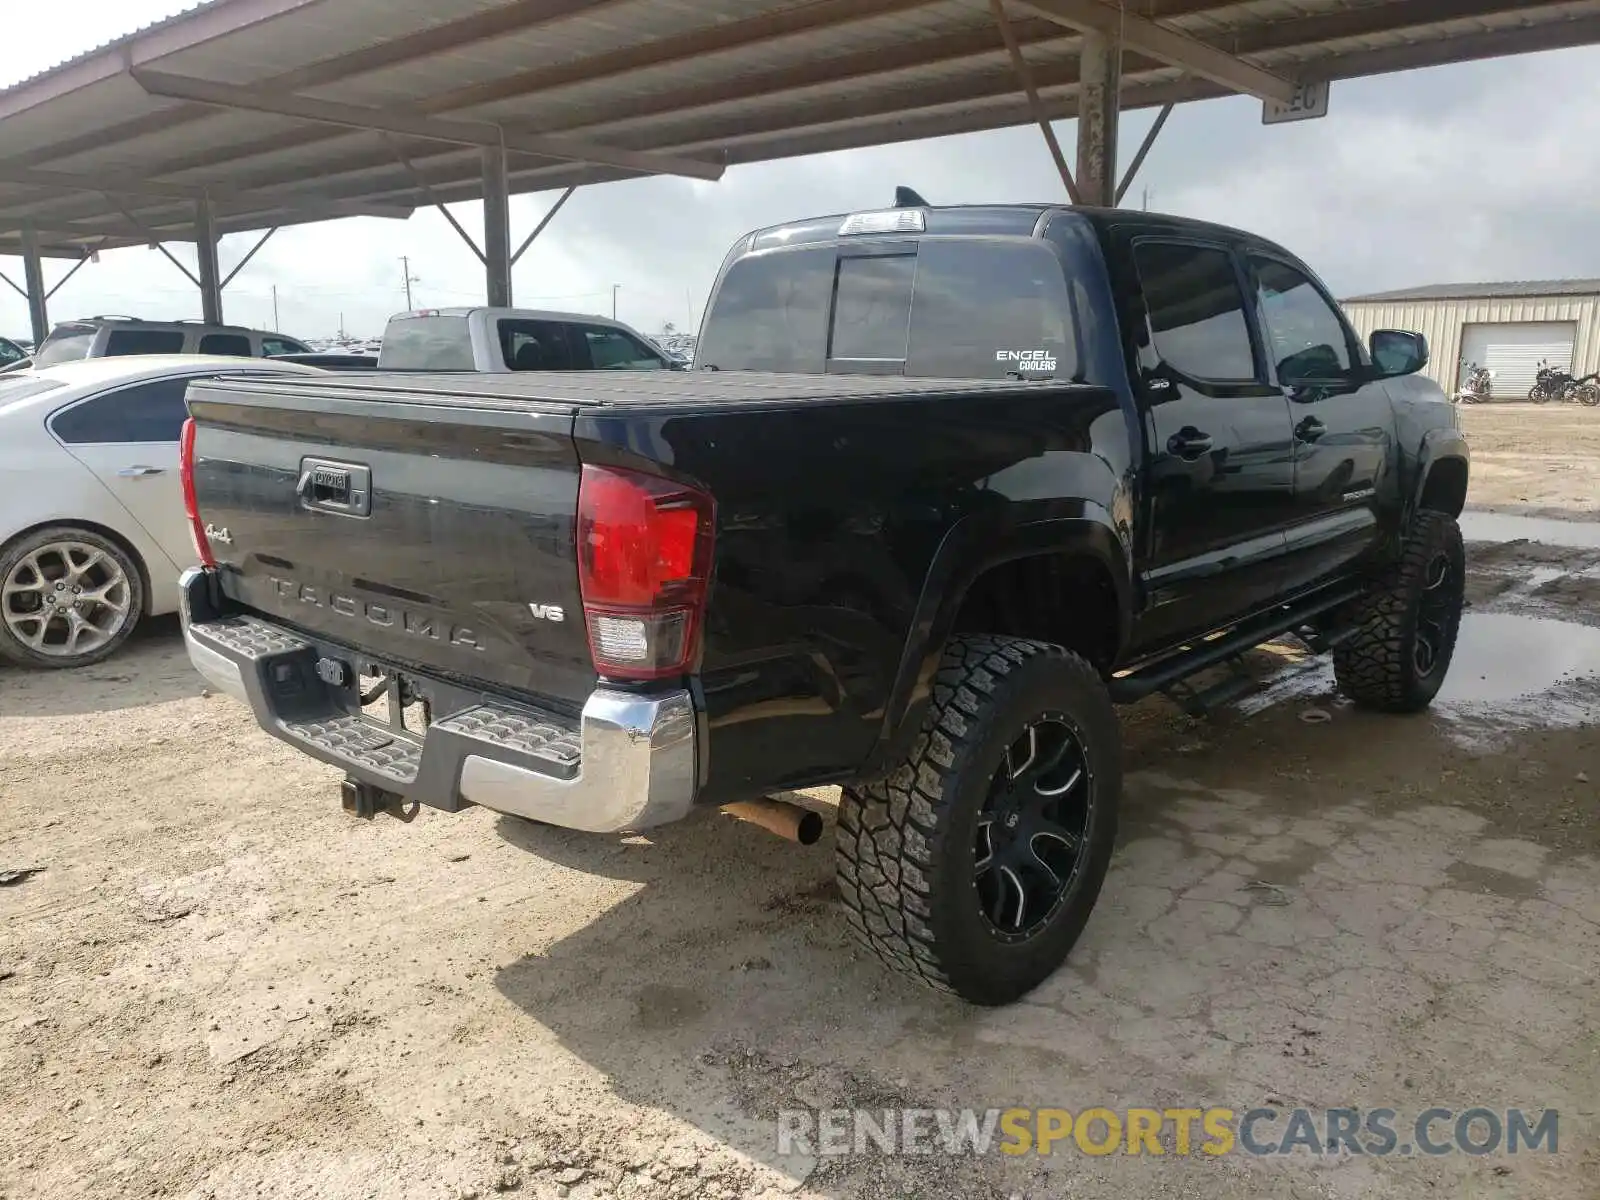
x=251 y=114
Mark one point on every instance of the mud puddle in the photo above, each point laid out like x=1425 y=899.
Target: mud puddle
x=1510 y=672
x=1502 y=657
x=1504 y=527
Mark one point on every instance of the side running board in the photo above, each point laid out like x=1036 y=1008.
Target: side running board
x=1197 y=656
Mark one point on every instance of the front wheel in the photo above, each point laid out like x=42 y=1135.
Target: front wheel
x=975 y=864
x=1407 y=624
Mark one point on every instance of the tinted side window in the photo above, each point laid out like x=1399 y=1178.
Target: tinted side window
x=988 y=309
x=10 y=352
x=145 y=412
x=535 y=346
x=872 y=311
x=235 y=344
x=1196 y=310
x=144 y=341
x=614 y=350
x=271 y=347
x=1306 y=336
x=771 y=314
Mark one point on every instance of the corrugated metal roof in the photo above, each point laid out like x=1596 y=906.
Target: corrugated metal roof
x=1513 y=289
x=110 y=44
x=719 y=81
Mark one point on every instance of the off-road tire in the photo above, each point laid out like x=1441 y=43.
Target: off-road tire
x=905 y=850
x=15 y=651
x=1378 y=668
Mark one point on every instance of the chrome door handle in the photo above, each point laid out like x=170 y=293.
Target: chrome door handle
x=135 y=472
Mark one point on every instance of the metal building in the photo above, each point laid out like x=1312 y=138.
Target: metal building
x=1508 y=327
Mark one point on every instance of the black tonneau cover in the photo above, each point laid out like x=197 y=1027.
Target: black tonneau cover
x=620 y=389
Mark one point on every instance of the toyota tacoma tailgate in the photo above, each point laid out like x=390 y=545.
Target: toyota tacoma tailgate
x=427 y=529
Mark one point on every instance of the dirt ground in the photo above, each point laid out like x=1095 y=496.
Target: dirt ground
x=221 y=986
x=1534 y=458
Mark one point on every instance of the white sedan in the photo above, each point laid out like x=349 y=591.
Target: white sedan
x=92 y=528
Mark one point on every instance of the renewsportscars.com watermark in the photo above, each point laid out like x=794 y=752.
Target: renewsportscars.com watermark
x=971 y=1132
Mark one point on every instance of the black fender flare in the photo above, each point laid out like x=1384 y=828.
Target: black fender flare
x=971 y=547
x=1438 y=445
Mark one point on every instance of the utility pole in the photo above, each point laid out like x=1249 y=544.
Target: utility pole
x=614 y=288
x=405 y=268
x=1146 y=192
x=276 y=328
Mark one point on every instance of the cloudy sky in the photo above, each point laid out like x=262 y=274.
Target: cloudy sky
x=1480 y=171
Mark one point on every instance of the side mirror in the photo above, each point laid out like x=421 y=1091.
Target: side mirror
x=1397 y=352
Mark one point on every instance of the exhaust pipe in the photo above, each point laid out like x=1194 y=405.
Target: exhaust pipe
x=780 y=817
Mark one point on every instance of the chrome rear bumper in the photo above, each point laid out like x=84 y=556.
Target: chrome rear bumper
x=628 y=762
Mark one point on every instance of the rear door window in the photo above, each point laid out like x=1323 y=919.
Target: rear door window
x=1196 y=310
x=144 y=341
x=771 y=313
x=236 y=345
x=988 y=309
x=142 y=412
x=536 y=346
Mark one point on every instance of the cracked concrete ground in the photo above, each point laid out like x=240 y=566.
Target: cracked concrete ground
x=221 y=986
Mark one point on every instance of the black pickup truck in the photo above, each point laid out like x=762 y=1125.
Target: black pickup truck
x=947 y=485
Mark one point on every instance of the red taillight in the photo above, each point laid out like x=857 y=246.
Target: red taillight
x=197 y=530
x=644 y=556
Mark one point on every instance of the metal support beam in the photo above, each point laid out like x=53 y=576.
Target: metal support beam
x=496 y=228
x=1170 y=46
x=260 y=242
x=33 y=275
x=543 y=221
x=205 y=244
x=435 y=129
x=1099 y=104
x=433 y=197
x=1019 y=64
x=1144 y=149
x=90 y=256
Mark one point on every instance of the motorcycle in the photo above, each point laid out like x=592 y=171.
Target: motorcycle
x=1477 y=384
x=1550 y=383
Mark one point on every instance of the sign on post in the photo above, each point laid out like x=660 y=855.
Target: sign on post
x=1310 y=101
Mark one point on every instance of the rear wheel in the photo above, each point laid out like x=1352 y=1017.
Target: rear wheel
x=975 y=864
x=1589 y=394
x=68 y=597
x=1407 y=624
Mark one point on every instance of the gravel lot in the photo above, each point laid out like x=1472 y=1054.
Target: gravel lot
x=221 y=986
x=1534 y=458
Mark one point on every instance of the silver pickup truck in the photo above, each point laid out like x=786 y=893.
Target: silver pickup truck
x=500 y=340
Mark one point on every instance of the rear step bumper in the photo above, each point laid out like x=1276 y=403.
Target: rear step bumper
x=629 y=762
